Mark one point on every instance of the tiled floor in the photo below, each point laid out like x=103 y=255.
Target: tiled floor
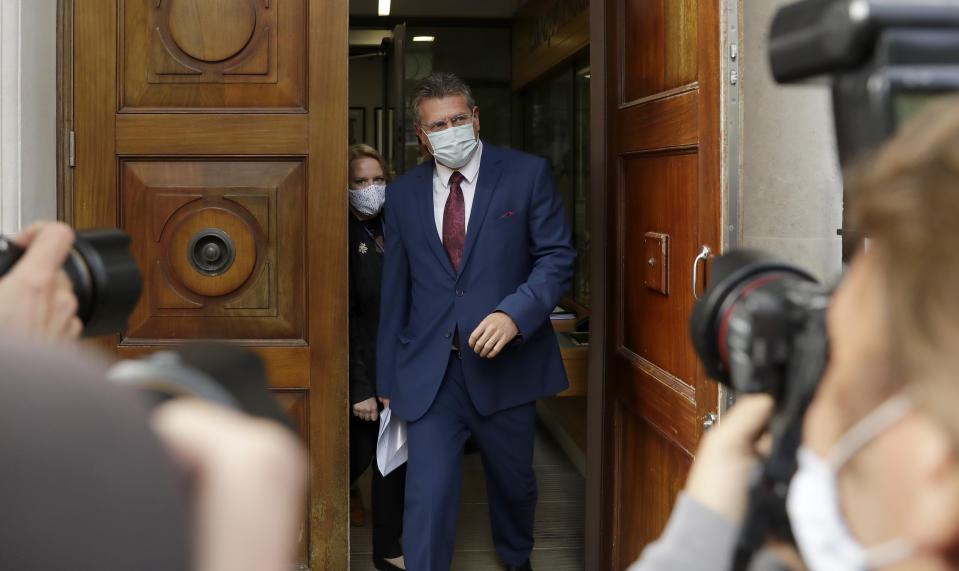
x=559 y=517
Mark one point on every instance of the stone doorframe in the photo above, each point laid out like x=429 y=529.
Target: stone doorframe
x=29 y=32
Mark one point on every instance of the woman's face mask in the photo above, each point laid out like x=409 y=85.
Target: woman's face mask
x=823 y=538
x=368 y=201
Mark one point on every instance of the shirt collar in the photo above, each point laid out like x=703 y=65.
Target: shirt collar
x=469 y=170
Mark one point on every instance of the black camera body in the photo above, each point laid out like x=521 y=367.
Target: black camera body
x=760 y=327
x=217 y=372
x=885 y=58
x=104 y=275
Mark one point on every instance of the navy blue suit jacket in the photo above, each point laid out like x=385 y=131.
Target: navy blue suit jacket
x=518 y=258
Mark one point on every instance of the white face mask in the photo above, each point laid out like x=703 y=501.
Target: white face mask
x=824 y=540
x=455 y=146
x=368 y=201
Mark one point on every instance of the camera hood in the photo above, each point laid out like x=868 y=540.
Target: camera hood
x=731 y=274
x=817 y=37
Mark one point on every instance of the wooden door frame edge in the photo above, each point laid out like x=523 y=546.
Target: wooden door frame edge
x=596 y=382
x=64 y=109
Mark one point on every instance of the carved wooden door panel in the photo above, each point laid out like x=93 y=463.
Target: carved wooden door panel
x=214 y=132
x=663 y=203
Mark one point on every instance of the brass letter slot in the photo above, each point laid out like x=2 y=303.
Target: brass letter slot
x=656 y=262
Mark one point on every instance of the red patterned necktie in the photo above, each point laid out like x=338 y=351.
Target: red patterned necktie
x=454 y=222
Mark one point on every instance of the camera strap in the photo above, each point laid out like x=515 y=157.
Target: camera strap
x=766 y=512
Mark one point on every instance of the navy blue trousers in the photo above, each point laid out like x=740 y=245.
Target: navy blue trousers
x=434 y=476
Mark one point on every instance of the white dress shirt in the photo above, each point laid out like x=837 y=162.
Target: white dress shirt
x=441 y=188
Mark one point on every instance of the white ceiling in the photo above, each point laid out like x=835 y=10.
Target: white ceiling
x=440 y=8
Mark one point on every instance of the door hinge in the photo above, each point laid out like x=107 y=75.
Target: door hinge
x=73 y=149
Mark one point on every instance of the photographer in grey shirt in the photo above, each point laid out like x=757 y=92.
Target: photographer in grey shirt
x=878 y=469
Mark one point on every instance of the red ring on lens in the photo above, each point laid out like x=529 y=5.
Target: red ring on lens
x=724 y=324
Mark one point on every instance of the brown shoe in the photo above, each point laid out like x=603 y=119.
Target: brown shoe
x=357 y=509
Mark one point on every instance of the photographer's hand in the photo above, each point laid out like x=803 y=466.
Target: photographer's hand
x=719 y=478
x=248 y=478
x=36 y=296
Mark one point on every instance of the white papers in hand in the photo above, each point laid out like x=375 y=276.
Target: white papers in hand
x=391 y=443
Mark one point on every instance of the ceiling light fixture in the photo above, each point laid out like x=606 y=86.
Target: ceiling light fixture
x=384 y=8
x=423 y=38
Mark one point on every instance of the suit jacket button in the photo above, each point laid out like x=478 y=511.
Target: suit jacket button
x=459 y=293
x=447 y=334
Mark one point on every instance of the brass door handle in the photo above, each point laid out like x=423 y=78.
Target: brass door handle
x=703 y=255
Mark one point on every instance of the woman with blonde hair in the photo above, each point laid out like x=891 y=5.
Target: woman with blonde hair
x=368 y=176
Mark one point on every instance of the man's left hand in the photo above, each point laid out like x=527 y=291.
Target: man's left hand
x=492 y=334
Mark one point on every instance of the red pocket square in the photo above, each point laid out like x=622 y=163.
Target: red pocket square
x=505 y=214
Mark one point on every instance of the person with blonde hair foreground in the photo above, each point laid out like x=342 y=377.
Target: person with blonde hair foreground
x=878 y=479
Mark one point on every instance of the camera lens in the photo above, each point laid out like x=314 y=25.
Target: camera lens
x=105 y=279
x=743 y=327
x=104 y=275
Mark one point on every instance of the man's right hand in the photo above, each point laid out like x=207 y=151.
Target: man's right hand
x=36 y=296
x=367 y=409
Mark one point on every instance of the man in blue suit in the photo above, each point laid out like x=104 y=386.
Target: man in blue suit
x=478 y=255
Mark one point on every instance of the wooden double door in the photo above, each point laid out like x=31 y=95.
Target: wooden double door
x=214 y=133
x=662 y=201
